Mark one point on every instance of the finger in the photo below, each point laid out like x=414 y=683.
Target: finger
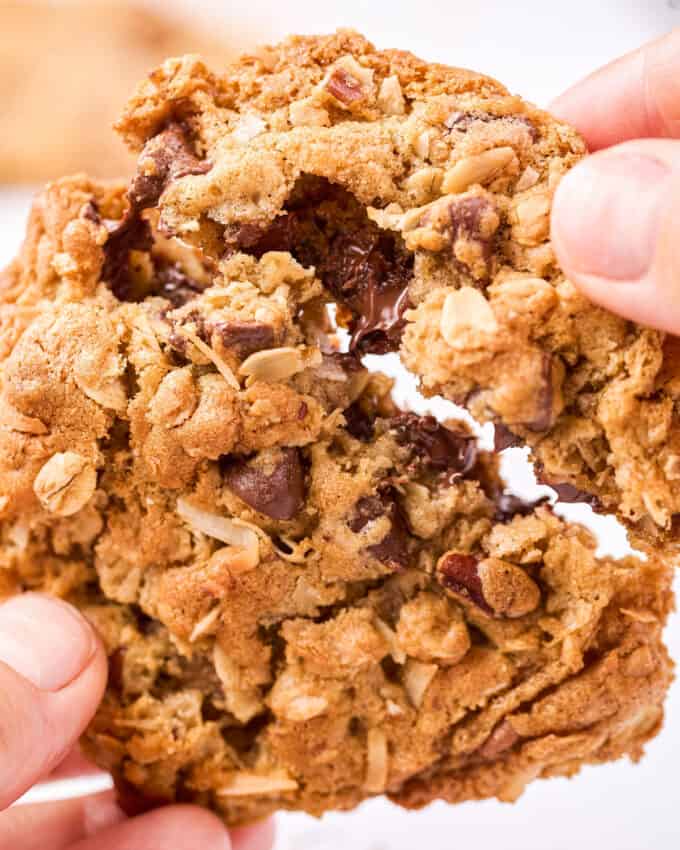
x=75 y=764
x=257 y=837
x=52 y=676
x=636 y=97
x=176 y=827
x=57 y=825
x=616 y=230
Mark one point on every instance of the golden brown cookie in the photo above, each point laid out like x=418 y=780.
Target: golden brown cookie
x=67 y=68
x=307 y=596
x=421 y=194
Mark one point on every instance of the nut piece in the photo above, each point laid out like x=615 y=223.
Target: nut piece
x=459 y=574
x=425 y=184
x=417 y=679
x=277 y=364
x=507 y=588
x=433 y=629
x=254 y=784
x=176 y=399
x=481 y=168
x=530 y=217
x=348 y=82
x=503 y=738
x=390 y=97
x=467 y=319
x=66 y=483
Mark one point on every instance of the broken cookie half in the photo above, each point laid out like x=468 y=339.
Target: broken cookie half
x=308 y=596
x=421 y=196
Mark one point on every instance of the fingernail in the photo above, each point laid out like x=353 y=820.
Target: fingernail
x=607 y=214
x=44 y=640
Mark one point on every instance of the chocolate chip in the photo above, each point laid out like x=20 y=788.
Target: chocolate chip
x=509 y=506
x=435 y=446
x=132 y=234
x=165 y=157
x=458 y=573
x=395 y=548
x=467 y=217
x=279 y=493
x=245 y=337
x=462 y=121
x=344 y=86
x=545 y=397
x=358 y=423
x=503 y=438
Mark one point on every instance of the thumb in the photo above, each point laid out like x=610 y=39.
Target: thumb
x=616 y=230
x=52 y=675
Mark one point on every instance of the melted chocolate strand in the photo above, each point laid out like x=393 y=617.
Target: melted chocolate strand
x=503 y=438
x=509 y=506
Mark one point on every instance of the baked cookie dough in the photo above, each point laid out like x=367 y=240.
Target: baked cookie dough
x=67 y=67
x=307 y=596
x=421 y=195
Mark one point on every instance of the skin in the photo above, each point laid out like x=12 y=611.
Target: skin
x=616 y=216
x=52 y=677
x=616 y=231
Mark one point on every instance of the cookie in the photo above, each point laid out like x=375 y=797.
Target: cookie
x=307 y=596
x=68 y=68
x=421 y=195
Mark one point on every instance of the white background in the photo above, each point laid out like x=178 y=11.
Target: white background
x=537 y=48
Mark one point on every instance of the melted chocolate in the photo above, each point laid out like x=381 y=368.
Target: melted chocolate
x=279 y=494
x=435 y=446
x=166 y=157
x=365 y=268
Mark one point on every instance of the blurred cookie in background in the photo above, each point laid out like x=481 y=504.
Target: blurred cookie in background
x=67 y=69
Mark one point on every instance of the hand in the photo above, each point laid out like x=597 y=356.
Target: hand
x=616 y=216
x=52 y=676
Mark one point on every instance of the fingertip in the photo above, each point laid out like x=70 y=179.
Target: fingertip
x=259 y=836
x=201 y=827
